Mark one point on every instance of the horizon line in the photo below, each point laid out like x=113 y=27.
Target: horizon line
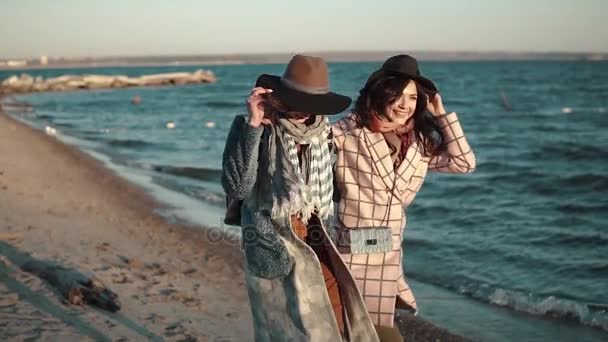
x=314 y=52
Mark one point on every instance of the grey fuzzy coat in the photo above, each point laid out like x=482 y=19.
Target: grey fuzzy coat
x=289 y=301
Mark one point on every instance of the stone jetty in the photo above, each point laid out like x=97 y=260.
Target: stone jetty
x=27 y=84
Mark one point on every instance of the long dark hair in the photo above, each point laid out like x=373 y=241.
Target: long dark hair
x=274 y=104
x=381 y=91
x=275 y=107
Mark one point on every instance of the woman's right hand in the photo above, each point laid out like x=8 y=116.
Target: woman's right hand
x=255 y=107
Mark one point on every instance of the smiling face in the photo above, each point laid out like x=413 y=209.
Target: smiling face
x=389 y=102
x=401 y=110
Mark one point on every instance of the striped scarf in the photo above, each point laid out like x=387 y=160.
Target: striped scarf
x=296 y=190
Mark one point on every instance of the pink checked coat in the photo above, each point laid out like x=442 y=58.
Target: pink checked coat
x=374 y=194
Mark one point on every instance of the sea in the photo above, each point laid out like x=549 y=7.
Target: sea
x=516 y=251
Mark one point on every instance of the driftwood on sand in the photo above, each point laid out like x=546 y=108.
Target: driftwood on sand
x=74 y=286
x=28 y=84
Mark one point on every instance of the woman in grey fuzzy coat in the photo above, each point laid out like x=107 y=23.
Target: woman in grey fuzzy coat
x=277 y=168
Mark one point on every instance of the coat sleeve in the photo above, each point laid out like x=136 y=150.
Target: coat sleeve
x=458 y=156
x=240 y=158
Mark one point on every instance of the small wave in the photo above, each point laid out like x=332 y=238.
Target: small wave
x=590 y=314
x=92 y=135
x=571 y=238
x=515 y=177
x=583 y=209
x=207 y=196
x=424 y=209
x=582 y=110
x=103 y=103
x=499 y=167
x=65 y=125
x=571 y=152
x=224 y=104
x=194 y=191
x=588 y=180
x=45 y=117
x=552 y=185
x=569 y=221
x=411 y=242
x=206 y=174
x=599 y=267
x=544 y=128
x=492 y=166
x=469 y=189
x=130 y=143
x=459 y=102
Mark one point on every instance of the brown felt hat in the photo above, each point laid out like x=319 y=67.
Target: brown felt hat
x=304 y=87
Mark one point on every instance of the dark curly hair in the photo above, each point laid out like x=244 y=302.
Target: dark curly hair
x=381 y=91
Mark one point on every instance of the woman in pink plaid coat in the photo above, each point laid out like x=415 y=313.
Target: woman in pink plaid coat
x=398 y=131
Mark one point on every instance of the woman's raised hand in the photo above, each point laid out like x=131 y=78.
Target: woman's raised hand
x=255 y=107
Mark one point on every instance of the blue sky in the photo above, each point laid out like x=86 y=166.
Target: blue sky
x=156 y=27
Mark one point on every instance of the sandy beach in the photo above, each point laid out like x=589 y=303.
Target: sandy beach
x=59 y=204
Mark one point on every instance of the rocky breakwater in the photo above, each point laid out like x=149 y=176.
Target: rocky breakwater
x=27 y=84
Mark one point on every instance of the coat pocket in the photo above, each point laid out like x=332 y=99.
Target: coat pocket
x=265 y=253
x=363 y=240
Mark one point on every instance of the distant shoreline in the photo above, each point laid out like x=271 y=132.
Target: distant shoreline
x=281 y=58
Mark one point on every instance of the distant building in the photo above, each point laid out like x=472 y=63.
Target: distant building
x=16 y=63
x=597 y=57
x=44 y=60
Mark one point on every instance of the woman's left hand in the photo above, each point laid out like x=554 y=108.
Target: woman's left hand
x=435 y=106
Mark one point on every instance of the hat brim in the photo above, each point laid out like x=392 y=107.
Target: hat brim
x=428 y=86
x=298 y=101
